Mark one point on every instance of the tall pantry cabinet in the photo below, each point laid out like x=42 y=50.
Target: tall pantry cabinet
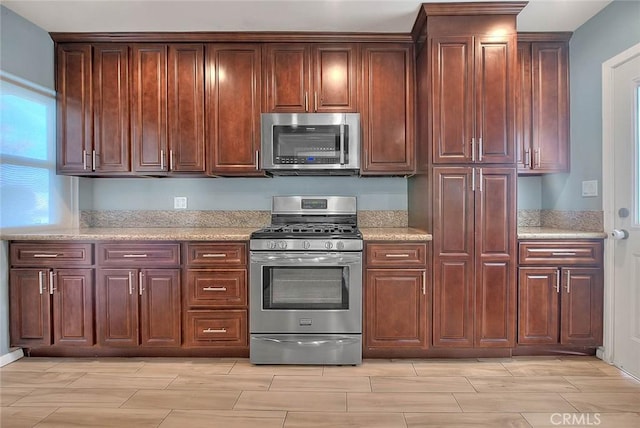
x=467 y=62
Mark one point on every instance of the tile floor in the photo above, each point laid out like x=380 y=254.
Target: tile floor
x=228 y=393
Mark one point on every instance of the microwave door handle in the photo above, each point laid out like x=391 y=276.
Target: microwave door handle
x=342 y=127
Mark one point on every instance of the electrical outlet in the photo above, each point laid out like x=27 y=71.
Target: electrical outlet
x=180 y=202
x=589 y=188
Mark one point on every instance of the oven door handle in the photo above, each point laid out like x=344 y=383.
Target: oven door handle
x=342 y=127
x=297 y=259
x=310 y=342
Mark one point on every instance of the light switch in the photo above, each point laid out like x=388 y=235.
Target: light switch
x=180 y=202
x=589 y=188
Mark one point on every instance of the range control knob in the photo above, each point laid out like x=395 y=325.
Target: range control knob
x=282 y=245
x=272 y=245
x=340 y=245
x=328 y=245
x=306 y=245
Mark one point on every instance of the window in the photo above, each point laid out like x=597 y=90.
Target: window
x=31 y=195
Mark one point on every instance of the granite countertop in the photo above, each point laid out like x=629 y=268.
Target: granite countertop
x=193 y=234
x=551 y=233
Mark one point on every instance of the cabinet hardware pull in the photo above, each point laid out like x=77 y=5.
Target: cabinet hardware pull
x=130 y=283
x=84 y=159
x=480 y=149
x=366 y=158
x=40 y=256
x=315 y=101
x=51 y=287
x=568 y=281
x=93 y=160
x=161 y=160
x=537 y=277
x=537 y=155
x=342 y=143
x=140 y=288
x=424 y=282
x=480 y=186
x=257 y=159
x=214 y=330
x=526 y=158
x=473 y=150
x=171 y=167
x=306 y=101
x=40 y=281
x=215 y=289
x=557 y=281
x=396 y=255
x=473 y=179
x=213 y=255
x=134 y=256
x=564 y=253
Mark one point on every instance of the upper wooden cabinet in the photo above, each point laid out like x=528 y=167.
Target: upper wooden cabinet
x=167 y=117
x=387 y=109
x=302 y=77
x=93 y=109
x=542 y=109
x=233 y=90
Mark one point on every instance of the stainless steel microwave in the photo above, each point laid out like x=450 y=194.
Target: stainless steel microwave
x=311 y=143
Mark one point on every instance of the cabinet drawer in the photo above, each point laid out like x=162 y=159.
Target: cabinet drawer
x=138 y=254
x=216 y=328
x=205 y=254
x=216 y=287
x=396 y=255
x=560 y=252
x=51 y=254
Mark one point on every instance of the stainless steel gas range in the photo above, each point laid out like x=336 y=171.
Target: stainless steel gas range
x=306 y=283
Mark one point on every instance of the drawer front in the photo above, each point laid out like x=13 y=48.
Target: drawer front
x=51 y=254
x=205 y=254
x=138 y=254
x=219 y=288
x=560 y=252
x=216 y=328
x=396 y=255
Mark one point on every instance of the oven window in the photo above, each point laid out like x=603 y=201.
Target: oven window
x=305 y=287
x=309 y=143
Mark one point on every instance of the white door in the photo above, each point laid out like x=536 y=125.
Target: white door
x=624 y=212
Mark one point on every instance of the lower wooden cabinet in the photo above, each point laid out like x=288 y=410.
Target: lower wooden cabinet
x=216 y=328
x=561 y=304
x=395 y=296
x=138 y=307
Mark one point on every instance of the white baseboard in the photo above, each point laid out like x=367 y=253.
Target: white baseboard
x=13 y=355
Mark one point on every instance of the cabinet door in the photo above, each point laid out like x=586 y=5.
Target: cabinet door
x=149 y=108
x=73 y=307
x=523 y=107
x=159 y=291
x=287 y=77
x=387 y=109
x=73 y=87
x=452 y=99
x=495 y=65
x=30 y=307
x=117 y=307
x=395 y=308
x=550 y=118
x=496 y=255
x=453 y=264
x=111 y=108
x=185 y=109
x=581 y=306
x=233 y=105
x=538 y=312
x=334 y=79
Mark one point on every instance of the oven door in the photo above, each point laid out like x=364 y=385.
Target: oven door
x=305 y=292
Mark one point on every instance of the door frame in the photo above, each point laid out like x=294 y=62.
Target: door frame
x=608 y=69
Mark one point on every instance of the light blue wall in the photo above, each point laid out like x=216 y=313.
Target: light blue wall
x=529 y=193
x=613 y=30
x=26 y=51
x=374 y=193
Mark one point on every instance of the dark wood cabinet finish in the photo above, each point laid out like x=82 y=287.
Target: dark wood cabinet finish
x=138 y=254
x=216 y=254
x=30 y=308
x=561 y=300
x=234 y=94
x=73 y=307
x=159 y=307
x=387 y=109
x=395 y=296
x=111 y=141
x=542 y=91
x=74 y=108
x=474 y=257
x=117 y=316
x=51 y=254
x=228 y=328
x=216 y=287
x=303 y=77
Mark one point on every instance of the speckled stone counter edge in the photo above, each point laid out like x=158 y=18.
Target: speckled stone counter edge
x=585 y=221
